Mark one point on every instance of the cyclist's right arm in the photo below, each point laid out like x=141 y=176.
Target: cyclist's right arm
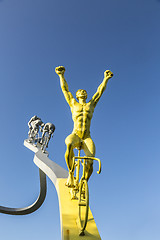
x=29 y=123
x=64 y=86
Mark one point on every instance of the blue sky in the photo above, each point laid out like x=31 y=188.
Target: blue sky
x=87 y=37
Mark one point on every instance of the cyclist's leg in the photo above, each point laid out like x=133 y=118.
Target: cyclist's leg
x=89 y=149
x=49 y=137
x=71 y=141
x=35 y=132
x=42 y=138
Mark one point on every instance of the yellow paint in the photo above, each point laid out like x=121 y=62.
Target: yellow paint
x=82 y=113
x=69 y=214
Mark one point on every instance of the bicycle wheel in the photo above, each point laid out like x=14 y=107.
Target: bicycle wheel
x=83 y=205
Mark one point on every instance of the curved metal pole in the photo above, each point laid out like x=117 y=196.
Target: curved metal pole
x=35 y=205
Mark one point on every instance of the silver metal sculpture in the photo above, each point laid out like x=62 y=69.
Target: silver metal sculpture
x=34 y=124
x=47 y=132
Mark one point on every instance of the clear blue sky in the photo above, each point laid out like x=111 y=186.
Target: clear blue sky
x=87 y=37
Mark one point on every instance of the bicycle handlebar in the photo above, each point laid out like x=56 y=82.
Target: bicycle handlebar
x=90 y=158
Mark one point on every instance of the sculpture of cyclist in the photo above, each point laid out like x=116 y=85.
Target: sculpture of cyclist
x=34 y=124
x=82 y=113
x=48 y=128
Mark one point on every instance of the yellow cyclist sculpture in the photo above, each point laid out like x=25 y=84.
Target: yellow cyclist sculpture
x=82 y=113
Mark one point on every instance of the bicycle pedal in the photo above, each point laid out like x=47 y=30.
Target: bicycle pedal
x=73 y=194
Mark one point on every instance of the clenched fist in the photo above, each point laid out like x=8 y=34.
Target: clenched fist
x=108 y=74
x=60 y=70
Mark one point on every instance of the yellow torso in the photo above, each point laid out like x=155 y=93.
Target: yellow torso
x=82 y=115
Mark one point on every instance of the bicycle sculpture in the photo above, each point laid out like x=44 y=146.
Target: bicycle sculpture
x=80 y=138
x=82 y=187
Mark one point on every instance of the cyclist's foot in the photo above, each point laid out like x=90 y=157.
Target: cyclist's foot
x=70 y=181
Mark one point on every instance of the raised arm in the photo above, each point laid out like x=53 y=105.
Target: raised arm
x=33 y=119
x=107 y=75
x=64 y=86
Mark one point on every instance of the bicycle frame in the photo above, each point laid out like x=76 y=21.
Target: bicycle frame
x=79 y=158
x=82 y=187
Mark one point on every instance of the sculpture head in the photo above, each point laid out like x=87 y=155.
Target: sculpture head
x=81 y=94
x=35 y=117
